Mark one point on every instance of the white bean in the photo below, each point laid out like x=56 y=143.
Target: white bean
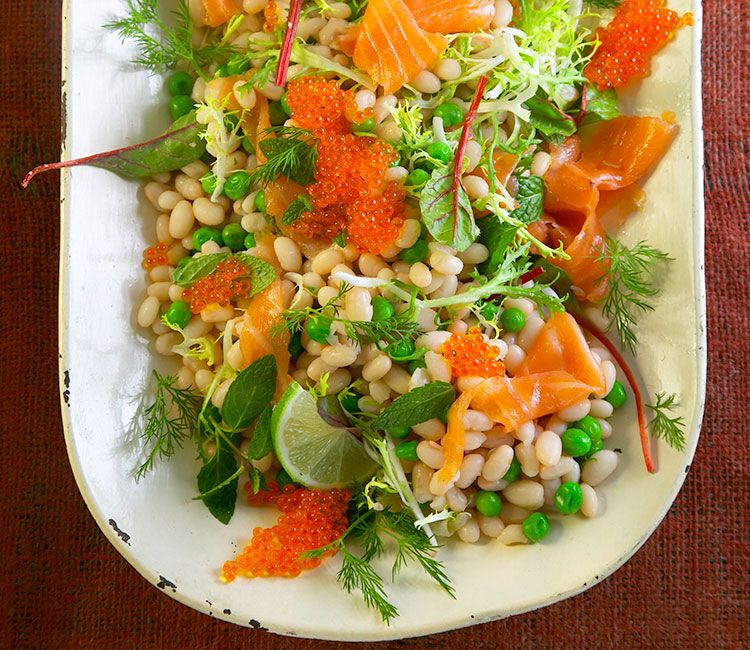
x=339 y=356
x=525 y=494
x=525 y=433
x=181 y=220
x=514 y=358
x=426 y=82
x=446 y=263
x=431 y=454
x=409 y=233
x=432 y=429
x=512 y=534
x=477 y=421
x=575 y=412
x=317 y=367
x=447 y=69
x=557 y=425
x=530 y=331
x=159 y=290
x=377 y=367
x=548 y=448
x=148 y=311
x=601 y=408
x=476 y=253
x=471 y=468
x=203 y=379
x=160 y=273
x=433 y=341
x=420 y=480
x=540 y=163
x=169 y=199
x=398 y=380
x=207 y=212
x=473 y=440
x=526 y=455
x=189 y=187
x=472 y=156
x=590 y=505
x=550 y=488
x=165 y=342
x=469 y=532
x=437 y=366
x=217 y=399
x=457 y=500
x=610 y=375
x=497 y=463
x=606 y=428
x=598 y=468
x=524 y=304
x=563 y=466
x=288 y=253
x=325 y=261
x=574 y=475
x=492 y=486
x=379 y=391
x=475 y=186
x=503 y=14
x=364 y=98
x=497 y=436
x=438 y=486
x=383 y=107
x=490 y=526
x=358 y=304
x=420 y=275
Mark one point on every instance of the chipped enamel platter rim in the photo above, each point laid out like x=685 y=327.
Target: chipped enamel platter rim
x=173 y=542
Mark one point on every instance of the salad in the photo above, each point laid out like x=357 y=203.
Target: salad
x=385 y=266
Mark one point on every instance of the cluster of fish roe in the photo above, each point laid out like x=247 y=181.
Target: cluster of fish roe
x=309 y=519
x=350 y=191
x=639 y=29
x=471 y=355
x=155 y=256
x=228 y=282
x=272 y=17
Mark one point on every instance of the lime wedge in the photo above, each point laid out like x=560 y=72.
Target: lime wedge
x=311 y=451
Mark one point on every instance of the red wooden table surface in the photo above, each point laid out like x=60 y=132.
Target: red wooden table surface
x=64 y=586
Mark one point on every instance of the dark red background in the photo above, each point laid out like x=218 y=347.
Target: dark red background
x=64 y=586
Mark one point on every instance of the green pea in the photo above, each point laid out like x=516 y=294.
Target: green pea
x=536 y=526
x=512 y=319
x=617 y=396
x=366 y=126
x=237 y=185
x=399 y=432
x=416 y=253
x=401 y=350
x=208 y=182
x=180 y=83
x=568 y=498
x=576 y=442
x=451 y=114
x=514 y=471
x=417 y=178
x=178 y=314
x=489 y=311
x=276 y=114
x=318 y=328
x=283 y=479
x=489 y=503
x=260 y=201
x=591 y=426
x=222 y=71
x=180 y=105
x=407 y=450
x=295 y=345
x=436 y=151
x=250 y=241
x=285 y=105
x=415 y=364
x=237 y=64
x=597 y=446
x=350 y=402
x=204 y=234
x=233 y=235
x=382 y=308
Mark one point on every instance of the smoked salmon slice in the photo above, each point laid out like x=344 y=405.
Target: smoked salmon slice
x=217 y=12
x=561 y=346
x=392 y=47
x=619 y=152
x=451 y=17
x=453 y=441
x=511 y=401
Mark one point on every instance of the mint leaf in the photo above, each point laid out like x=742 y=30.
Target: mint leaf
x=196 y=268
x=530 y=197
x=261 y=273
x=250 y=393
x=436 y=203
x=296 y=209
x=217 y=482
x=496 y=235
x=600 y=105
x=417 y=406
x=261 y=443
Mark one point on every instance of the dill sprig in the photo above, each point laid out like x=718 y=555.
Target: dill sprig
x=162 y=47
x=669 y=428
x=292 y=154
x=172 y=417
x=631 y=283
x=401 y=326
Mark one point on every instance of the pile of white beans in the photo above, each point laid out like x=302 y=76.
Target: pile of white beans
x=182 y=206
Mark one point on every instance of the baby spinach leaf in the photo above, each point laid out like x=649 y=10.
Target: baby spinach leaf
x=496 y=235
x=178 y=146
x=599 y=105
x=417 y=406
x=262 y=273
x=296 y=209
x=217 y=482
x=530 y=197
x=457 y=229
x=548 y=119
x=196 y=268
x=250 y=393
x=261 y=443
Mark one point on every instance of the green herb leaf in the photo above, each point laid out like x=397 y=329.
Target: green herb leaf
x=497 y=236
x=197 y=268
x=604 y=4
x=665 y=426
x=436 y=204
x=261 y=444
x=291 y=154
x=548 y=119
x=530 y=197
x=600 y=104
x=340 y=238
x=296 y=209
x=250 y=392
x=262 y=274
x=217 y=482
x=357 y=573
x=417 y=406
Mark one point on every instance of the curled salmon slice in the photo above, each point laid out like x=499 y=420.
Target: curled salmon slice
x=511 y=401
x=586 y=267
x=216 y=12
x=392 y=47
x=561 y=346
x=452 y=16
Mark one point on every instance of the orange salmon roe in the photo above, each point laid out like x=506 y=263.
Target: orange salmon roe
x=271 y=16
x=155 y=256
x=471 y=355
x=350 y=192
x=639 y=29
x=309 y=519
x=229 y=281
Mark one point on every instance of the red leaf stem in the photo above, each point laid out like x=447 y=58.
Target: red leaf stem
x=531 y=275
x=285 y=53
x=592 y=329
x=462 y=142
x=584 y=105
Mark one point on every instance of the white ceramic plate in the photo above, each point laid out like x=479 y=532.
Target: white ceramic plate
x=174 y=542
